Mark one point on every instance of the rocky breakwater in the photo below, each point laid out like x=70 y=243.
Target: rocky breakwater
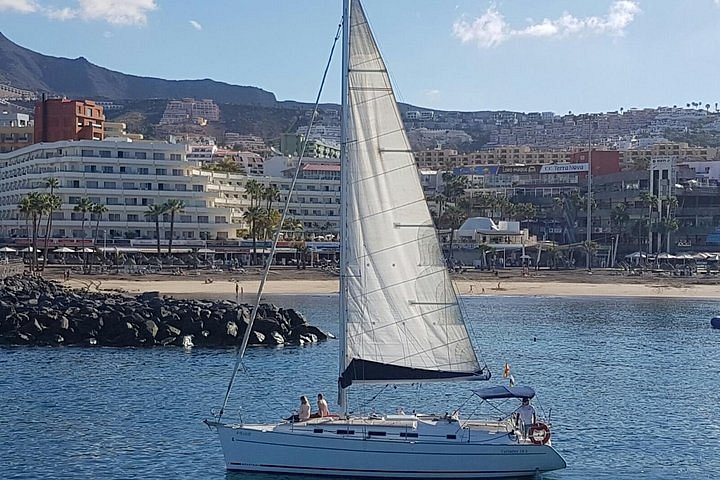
x=34 y=311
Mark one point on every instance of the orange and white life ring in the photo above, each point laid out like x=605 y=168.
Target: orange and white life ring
x=539 y=433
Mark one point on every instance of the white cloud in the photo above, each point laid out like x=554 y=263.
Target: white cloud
x=61 y=14
x=491 y=29
x=196 y=25
x=116 y=12
x=20 y=6
x=432 y=93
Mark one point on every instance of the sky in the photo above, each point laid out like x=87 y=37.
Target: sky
x=523 y=55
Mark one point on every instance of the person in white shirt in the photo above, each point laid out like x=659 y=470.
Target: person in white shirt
x=525 y=416
x=322 y=404
x=304 y=412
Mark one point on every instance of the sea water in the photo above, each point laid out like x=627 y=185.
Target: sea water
x=632 y=386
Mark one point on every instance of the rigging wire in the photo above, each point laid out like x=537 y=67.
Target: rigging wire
x=240 y=351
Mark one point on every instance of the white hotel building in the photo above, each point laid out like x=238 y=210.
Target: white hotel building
x=128 y=177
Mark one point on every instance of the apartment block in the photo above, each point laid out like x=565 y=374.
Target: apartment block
x=62 y=119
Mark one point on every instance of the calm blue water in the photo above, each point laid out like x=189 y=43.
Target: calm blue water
x=633 y=386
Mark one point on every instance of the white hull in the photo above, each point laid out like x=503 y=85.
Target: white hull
x=316 y=449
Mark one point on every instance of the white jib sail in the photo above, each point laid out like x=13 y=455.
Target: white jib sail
x=402 y=309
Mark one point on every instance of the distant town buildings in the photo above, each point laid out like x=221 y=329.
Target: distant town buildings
x=16 y=130
x=118 y=130
x=292 y=144
x=189 y=110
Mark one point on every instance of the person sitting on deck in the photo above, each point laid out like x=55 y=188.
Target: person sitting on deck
x=525 y=416
x=322 y=404
x=304 y=412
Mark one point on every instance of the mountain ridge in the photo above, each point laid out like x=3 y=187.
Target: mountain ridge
x=26 y=69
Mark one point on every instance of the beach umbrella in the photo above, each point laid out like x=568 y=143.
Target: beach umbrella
x=85 y=250
x=7 y=250
x=64 y=250
x=28 y=249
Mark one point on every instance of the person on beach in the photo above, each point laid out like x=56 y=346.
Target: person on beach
x=525 y=416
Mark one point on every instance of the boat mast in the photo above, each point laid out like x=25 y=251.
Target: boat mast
x=344 y=175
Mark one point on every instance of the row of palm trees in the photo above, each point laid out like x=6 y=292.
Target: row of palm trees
x=33 y=207
x=156 y=212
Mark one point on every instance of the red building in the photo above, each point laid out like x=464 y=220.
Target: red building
x=604 y=162
x=62 y=119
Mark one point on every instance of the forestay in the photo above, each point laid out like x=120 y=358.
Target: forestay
x=403 y=318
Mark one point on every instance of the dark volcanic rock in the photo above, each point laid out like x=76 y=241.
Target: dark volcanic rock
x=38 y=312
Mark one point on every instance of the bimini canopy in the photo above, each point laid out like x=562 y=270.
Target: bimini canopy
x=502 y=391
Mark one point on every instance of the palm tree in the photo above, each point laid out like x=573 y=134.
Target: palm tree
x=83 y=206
x=254 y=216
x=52 y=202
x=154 y=212
x=650 y=201
x=172 y=207
x=97 y=209
x=452 y=219
x=32 y=207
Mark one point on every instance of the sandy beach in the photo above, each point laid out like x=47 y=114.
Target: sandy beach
x=315 y=282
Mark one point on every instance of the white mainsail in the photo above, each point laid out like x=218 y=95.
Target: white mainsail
x=403 y=321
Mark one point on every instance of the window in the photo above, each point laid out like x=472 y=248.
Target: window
x=143 y=171
x=91 y=184
x=104 y=153
x=91 y=168
x=123 y=169
x=74 y=200
x=177 y=172
x=130 y=201
x=87 y=153
x=147 y=201
x=129 y=185
x=146 y=186
x=132 y=217
x=202 y=219
x=175 y=156
x=122 y=154
x=140 y=155
x=185 y=218
x=111 y=201
x=158 y=156
x=75 y=184
x=161 y=186
x=180 y=187
x=109 y=185
x=107 y=169
x=220 y=219
x=161 y=171
x=198 y=188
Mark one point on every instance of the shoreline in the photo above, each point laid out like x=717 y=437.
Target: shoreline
x=467 y=285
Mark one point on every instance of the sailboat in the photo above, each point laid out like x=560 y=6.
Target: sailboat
x=400 y=320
